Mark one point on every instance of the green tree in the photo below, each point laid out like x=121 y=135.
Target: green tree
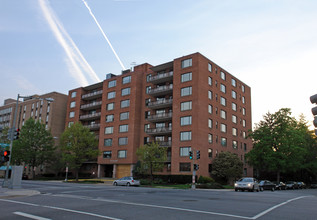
x=152 y=158
x=227 y=166
x=4 y=135
x=278 y=144
x=78 y=145
x=34 y=147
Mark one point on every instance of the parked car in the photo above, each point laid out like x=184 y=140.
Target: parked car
x=247 y=183
x=126 y=181
x=301 y=185
x=280 y=185
x=313 y=185
x=291 y=185
x=266 y=185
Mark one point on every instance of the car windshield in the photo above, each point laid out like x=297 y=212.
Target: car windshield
x=246 y=180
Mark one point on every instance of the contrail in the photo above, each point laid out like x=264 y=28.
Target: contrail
x=76 y=60
x=103 y=33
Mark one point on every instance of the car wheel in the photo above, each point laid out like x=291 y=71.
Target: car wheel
x=261 y=189
x=258 y=190
x=115 y=183
x=128 y=184
x=273 y=189
x=236 y=190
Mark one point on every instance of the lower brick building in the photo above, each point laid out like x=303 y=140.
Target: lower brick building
x=187 y=104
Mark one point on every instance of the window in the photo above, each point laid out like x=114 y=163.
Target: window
x=108 y=130
x=234 y=106
x=185 y=106
x=147 y=89
x=107 y=142
x=234 y=131
x=234 y=82
x=126 y=79
x=112 y=83
x=146 y=127
x=71 y=114
x=110 y=106
x=242 y=88
x=186 y=136
x=186 y=63
x=148 y=77
x=209 y=123
x=122 y=154
x=123 y=141
x=223 y=75
x=184 y=167
x=223 y=128
x=123 y=128
x=186 y=77
x=72 y=104
x=209 y=80
x=186 y=91
x=107 y=154
x=234 y=119
x=223 y=142
x=187 y=120
x=209 y=67
x=124 y=116
x=222 y=88
x=234 y=144
x=243 y=99
x=234 y=94
x=223 y=101
x=125 y=91
x=243 y=111
x=223 y=114
x=210 y=95
x=245 y=147
x=109 y=118
x=210 y=109
x=111 y=95
x=125 y=103
x=243 y=123
x=210 y=138
x=184 y=151
x=73 y=94
x=244 y=134
x=70 y=124
x=210 y=153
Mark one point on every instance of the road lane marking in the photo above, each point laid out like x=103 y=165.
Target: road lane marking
x=30 y=216
x=278 y=205
x=62 y=209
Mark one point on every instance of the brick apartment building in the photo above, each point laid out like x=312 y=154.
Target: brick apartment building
x=187 y=104
x=52 y=114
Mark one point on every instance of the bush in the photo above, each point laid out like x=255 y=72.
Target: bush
x=212 y=185
x=205 y=179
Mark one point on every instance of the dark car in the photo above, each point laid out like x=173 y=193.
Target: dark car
x=313 y=185
x=291 y=185
x=267 y=185
x=280 y=185
x=301 y=185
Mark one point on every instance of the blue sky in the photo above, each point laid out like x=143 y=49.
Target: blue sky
x=271 y=45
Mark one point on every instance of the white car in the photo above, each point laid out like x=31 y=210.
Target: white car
x=126 y=181
x=247 y=183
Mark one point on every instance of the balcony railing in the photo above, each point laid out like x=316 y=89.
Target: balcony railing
x=160 y=104
x=92 y=95
x=93 y=126
x=91 y=105
x=164 y=143
x=156 y=131
x=162 y=90
x=90 y=116
x=160 y=117
x=160 y=78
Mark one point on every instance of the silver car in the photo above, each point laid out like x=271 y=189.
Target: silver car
x=247 y=183
x=126 y=181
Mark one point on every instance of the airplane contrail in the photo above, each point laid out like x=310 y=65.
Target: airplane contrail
x=104 y=35
x=76 y=61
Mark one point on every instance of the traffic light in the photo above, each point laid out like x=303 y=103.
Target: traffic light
x=198 y=154
x=16 y=134
x=191 y=155
x=6 y=155
x=313 y=100
x=196 y=166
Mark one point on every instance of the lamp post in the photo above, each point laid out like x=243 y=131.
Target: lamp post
x=5 y=183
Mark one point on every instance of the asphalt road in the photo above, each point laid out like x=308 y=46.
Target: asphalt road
x=81 y=201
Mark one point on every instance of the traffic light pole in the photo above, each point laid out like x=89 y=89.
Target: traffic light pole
x=194 y=172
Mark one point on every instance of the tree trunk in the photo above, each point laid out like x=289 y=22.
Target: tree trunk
x=33 y=172
x=151 y=171
x=77 y=171
x=278 y=176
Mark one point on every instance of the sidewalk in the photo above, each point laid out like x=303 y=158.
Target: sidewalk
x=7 y=193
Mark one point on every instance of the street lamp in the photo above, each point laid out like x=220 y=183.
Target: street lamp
x=5 y=183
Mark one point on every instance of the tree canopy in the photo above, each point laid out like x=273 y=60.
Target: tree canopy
x=35 y=145
x=78 y=145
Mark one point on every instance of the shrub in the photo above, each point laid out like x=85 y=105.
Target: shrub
x=212 y=185
x=205 y=179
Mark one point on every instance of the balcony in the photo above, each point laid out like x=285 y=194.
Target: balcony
x=92 y=95
x=161 y=78
x=162 y=90
x=90 y=106
x=160 y=104
x=160 y=117
x=90 y=116
x=159 y=131
x=93 y=126
x=164 y=143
